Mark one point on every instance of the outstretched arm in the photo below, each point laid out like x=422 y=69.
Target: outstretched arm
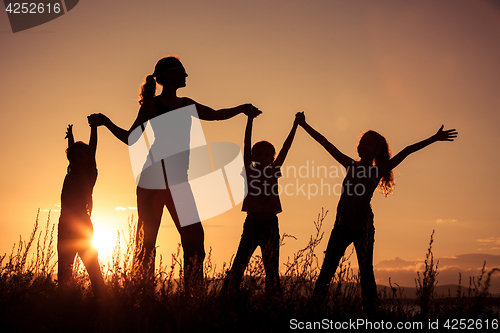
x=69 y=135
x=343 y=159
x=207 y=113
x=441 y=135
x=288 y=142
x=98 y=119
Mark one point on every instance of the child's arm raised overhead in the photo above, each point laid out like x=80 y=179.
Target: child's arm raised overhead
x=288 y=142
x=343 y=159
x=69 y=136
x=441 y=135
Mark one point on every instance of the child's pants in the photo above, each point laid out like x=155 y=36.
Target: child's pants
x=341 y=237
x=263 y=233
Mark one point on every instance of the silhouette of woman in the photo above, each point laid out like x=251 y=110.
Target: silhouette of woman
x=354 y=220
x=151 y=198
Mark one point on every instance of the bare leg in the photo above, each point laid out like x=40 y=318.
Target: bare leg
x=192 y=239
x=149 y=208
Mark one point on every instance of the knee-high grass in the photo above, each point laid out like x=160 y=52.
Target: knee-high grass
x=31 y=300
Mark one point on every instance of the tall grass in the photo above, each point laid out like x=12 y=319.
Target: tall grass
x=427 y=282
x=30 y=299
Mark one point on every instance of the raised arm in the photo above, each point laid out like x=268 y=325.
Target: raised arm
x=343 y=159
x=441 y=135
x=288 y=142
x=69 y=135
x=93 y=140
x=247 y=145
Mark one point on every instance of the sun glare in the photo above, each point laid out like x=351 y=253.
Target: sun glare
x=104 y=240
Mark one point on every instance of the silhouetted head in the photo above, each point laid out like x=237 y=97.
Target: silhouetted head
x=263 y=153
x=169 y=72
x=78 y=155
x=374 y=147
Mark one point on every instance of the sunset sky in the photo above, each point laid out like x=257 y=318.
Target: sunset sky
x=401 y=68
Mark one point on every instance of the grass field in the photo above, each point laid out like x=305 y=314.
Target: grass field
x=31 y=301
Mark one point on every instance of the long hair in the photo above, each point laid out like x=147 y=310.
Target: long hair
x=148 y=88
x=386 y=184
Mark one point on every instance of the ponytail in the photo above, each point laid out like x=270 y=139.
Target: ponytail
x=148 y=89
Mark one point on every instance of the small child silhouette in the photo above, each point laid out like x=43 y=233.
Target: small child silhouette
x=75 y=230
x=354 y=221
x=262 y=205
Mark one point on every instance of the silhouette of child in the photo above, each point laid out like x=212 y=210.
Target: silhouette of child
x=75 y=230
x=354 y=220
x=262 y=205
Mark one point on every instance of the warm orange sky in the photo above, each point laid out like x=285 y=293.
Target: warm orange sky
x=402 y=68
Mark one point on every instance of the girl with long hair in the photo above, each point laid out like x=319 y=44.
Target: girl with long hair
x=354 y=220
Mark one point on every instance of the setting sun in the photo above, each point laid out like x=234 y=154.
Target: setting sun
x=86 y=238
x=104 y=240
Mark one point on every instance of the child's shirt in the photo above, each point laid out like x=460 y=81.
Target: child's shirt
x=262 y=190
x=354 y=208
x=76 y=195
